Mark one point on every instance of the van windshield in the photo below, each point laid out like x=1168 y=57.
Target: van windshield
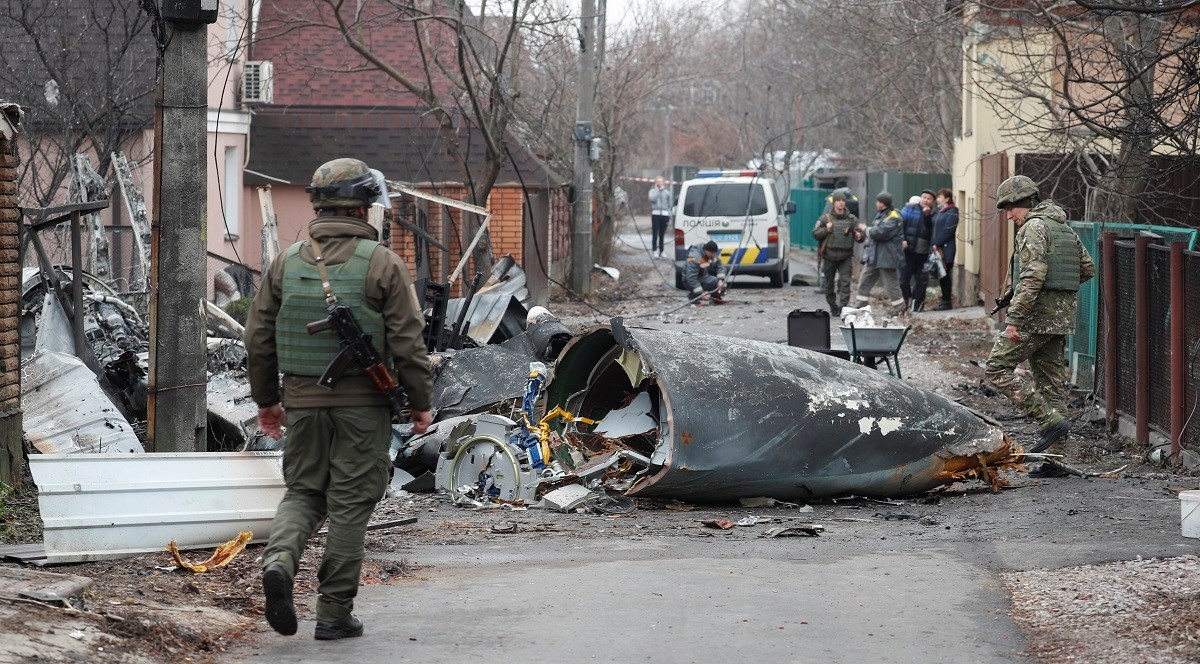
x=725 y=199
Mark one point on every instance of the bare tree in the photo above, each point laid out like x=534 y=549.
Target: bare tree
x=886 y=73
x=1113 y=86
x=469 y=69
x=639 y=62
x=84 y=72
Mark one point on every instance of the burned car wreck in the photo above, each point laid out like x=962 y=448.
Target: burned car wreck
x=650 y=413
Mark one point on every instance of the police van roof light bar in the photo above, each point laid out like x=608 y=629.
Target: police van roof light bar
x=727 y=174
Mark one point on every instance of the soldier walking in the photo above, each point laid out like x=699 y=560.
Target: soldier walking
x=1048 y=264
x=335 y=460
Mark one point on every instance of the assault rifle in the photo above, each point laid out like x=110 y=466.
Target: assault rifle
x=1002 y=302
x=357 y=350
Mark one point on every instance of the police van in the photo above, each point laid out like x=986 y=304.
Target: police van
x=742 y=212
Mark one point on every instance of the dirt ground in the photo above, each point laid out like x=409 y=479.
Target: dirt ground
x=141 y=610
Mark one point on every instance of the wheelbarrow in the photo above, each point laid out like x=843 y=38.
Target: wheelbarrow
x=868 y=345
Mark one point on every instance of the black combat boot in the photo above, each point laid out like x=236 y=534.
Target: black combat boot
x=1050 y=435
x=332 y=631
x=277 y=586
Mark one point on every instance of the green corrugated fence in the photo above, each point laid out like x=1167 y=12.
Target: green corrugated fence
x=810 y=204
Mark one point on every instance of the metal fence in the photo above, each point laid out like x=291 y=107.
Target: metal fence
x=1166 y=404
x=1191 y=431
x=1082 y=344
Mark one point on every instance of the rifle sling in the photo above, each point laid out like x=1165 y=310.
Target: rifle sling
x=330 y=298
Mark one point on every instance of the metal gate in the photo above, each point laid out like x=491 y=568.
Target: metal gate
x=993 y=229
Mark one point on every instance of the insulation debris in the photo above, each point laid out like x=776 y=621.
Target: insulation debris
x=219 y=558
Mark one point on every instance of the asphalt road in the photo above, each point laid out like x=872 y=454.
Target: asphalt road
x=662 y=588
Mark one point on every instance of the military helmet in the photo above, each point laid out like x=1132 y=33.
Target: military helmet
x=342 y=183
x=1015 y=190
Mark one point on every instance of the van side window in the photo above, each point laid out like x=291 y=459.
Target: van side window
x=728 y=199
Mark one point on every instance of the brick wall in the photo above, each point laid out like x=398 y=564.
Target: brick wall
x=506 y=204
x=10 y=348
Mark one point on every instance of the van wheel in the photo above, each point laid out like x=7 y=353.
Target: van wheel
x=777 y=279
x=679 y=280
x=787 y=274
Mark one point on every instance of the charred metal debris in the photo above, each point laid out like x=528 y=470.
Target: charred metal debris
x=626 y=412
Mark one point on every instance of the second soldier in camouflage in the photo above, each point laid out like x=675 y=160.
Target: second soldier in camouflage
x=1048 y=265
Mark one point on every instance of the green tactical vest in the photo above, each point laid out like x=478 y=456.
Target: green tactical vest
x=1062 y=260
x=304 y=354
x=839 y=240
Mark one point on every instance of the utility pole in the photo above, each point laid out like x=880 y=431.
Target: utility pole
x=581 y=239
x=177 y=408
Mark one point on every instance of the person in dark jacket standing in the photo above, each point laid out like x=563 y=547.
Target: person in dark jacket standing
x=882 y=254
x=837 y=231
x=918 y=238
x=335 y=460
x=945 y=241
x=660 y=215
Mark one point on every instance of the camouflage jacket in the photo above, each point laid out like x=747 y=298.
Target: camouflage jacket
x=1034 y=309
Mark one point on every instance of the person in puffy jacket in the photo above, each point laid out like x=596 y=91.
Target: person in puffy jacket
x=883 y=254
x=918 y=238
x=945 y=236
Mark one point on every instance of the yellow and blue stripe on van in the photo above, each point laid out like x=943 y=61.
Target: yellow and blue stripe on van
x=745 y=255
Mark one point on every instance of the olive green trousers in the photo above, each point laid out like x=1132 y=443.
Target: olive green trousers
x=1045 y=400
x=335 y=463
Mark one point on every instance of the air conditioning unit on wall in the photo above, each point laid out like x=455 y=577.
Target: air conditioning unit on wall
x=257 y=85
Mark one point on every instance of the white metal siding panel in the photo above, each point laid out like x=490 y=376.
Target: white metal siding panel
x=101 y=506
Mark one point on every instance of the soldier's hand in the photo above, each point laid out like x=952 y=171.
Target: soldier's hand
x=270 y=420
x=1012 y=333
x=421 y=419
x=904 y=244
x=829 y=226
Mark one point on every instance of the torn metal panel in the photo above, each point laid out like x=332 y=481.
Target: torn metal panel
x=745 y=418
x=232 y=413
x=67 y=412
x=101 y=506
x=491 y=317
x=475 y=379
x=508 y=277
x=629 y=420
x=54 y=333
